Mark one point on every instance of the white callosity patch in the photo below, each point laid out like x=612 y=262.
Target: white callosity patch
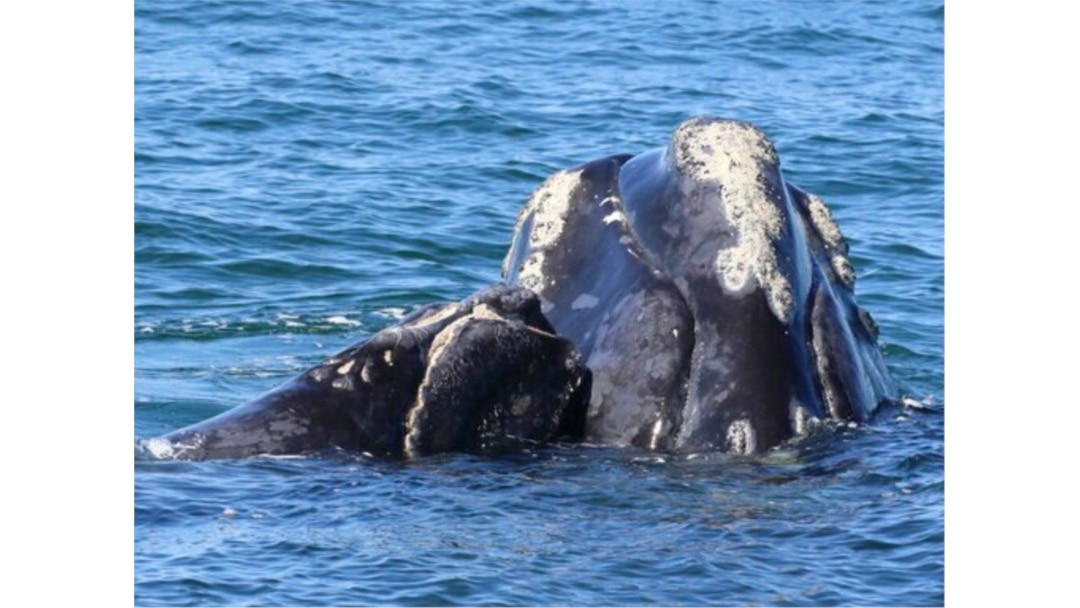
x=388 y=356
x=741 y=439
x=438 y=347
x=443 y=313
x=733 y=156
x=585 y=300
x=844 y=270
x=824 y=223
x=657 y=430
x=801 y=419
x=829 y=390
x=615 y=216
x=827 y=227
x=548 y=207
x=483 y=311
x=344 y=369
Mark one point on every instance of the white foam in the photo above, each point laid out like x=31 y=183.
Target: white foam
x=158 y=447
x=918 y=405
x=163 y=449
x=392 y=312
x=341 y=320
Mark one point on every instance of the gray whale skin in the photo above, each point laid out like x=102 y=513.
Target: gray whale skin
x=687 y=298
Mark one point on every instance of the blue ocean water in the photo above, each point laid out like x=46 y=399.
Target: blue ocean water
x=307 y=172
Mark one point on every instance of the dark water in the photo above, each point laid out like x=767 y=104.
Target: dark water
x=306 y=172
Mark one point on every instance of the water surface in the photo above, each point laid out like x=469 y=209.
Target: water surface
x=305 y=173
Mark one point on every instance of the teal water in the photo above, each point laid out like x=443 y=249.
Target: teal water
x=305 y=173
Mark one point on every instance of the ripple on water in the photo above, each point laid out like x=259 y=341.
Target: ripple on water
x=307 y=173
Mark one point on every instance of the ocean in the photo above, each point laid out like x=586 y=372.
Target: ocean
x=307 y=173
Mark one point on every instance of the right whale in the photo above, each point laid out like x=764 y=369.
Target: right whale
x=685 y=298
x=713 y=301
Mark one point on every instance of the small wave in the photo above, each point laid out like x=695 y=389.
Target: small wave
x=392 y=312
x=234 y=124
x=158 y=448
x=217 y=328
x=926 y=403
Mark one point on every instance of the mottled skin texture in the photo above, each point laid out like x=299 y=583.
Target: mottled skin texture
x=760 y=288
x=685 y=298
x=626 y=317
x=852 y=376
x=498 y=384
x=472 y=396
x=743 y=367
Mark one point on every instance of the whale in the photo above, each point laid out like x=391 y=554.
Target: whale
x=685 y=298
x=713 y=301
x=573 y=247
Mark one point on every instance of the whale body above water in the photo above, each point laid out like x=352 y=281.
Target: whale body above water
x=684 y=298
